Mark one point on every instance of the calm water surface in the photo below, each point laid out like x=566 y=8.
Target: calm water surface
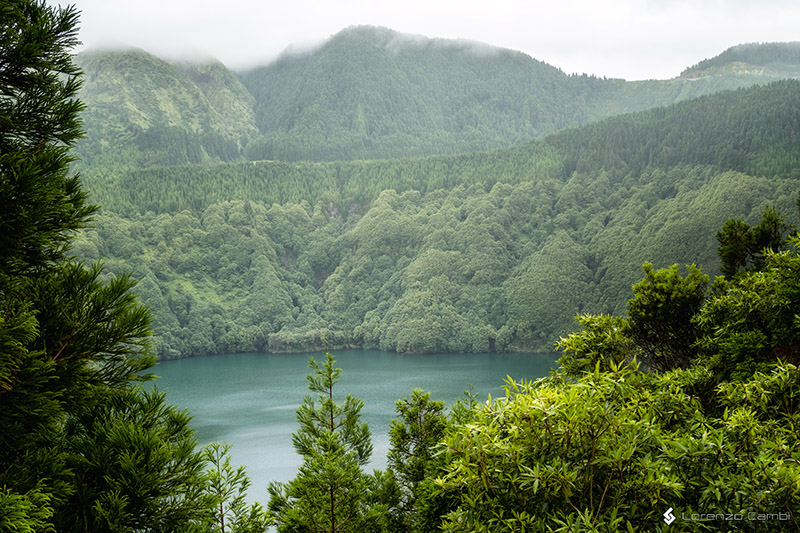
x=249 y=400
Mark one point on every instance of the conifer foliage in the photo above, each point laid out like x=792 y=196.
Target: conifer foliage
x=413 y=440
x=228 y=489
x=81 y=448
x=330 y=493
x=39 y=122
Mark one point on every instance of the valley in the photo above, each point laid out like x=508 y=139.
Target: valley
x=379 y=239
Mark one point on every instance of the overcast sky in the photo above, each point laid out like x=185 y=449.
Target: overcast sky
x=631 y=39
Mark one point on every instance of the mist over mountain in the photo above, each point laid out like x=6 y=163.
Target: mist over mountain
x=398 y=192
x=144 y=111
x=366 y=93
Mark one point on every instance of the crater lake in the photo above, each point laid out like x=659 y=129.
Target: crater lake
x=249 y=400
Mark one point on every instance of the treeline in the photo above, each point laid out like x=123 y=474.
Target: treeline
x=748 y=130
x=450 y=255
x=444 y=271
x=753 y=54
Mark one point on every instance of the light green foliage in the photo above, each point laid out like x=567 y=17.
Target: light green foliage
x=330 y=492
x=602 y=341
x=553 y=454
x=144 y=111
x=24 y=513
x=761 y=418
x=322 y=248
x=615 y=449
x=746 y=56
x=468 y=252
x=753 y=318
x=227 y=488
x=740 y=326
x=600 y=445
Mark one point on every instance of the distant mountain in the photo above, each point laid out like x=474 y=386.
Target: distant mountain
x=374 y=93
x=143 y=111
x=368 y=93
x=778 y=60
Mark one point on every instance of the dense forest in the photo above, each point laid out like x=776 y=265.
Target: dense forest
x=754 y=57
x=221 y=190
x=259 y=211
x=443 y=253
x=676 y=409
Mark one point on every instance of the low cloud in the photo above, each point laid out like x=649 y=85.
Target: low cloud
x=631 y=39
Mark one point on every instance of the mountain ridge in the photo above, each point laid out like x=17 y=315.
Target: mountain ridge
x=365 y=93
x=778 y=56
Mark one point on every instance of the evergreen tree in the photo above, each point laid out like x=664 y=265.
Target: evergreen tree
x=135 y=466
x=39 y=123
x=81 y=448
x=330 y=493
x=743 y=247
x=660 y=315
x=228 y=488
x=412 y=441
x=39 y=205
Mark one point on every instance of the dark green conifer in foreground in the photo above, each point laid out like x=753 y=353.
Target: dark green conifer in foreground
x=330 y=493
x=413 y=441
x=81 y=447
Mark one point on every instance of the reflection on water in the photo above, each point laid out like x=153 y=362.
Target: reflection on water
x=249 y=400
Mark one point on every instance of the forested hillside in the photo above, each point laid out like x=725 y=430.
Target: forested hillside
x=240 y=247
x=366 y=93
x=488 y=251
x=776 y=59
x=142 y=111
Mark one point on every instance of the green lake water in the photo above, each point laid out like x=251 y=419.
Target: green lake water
x=249 y=400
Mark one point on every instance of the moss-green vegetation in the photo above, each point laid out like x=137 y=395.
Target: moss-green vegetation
x=438 y=253
x=367 y=93
x=442 y=253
